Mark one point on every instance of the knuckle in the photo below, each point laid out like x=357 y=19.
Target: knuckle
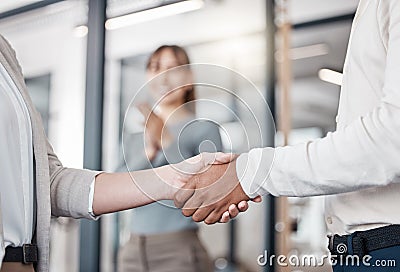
x=196 y=217
x=233 y=209
x=177 y=203
x=186 y=212
x=210 y=221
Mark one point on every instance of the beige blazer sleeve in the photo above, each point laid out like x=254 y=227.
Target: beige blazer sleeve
x=69 y=188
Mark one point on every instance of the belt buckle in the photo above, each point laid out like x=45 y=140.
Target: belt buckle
x=29 y=252
x=330 y=245
x=359 y=245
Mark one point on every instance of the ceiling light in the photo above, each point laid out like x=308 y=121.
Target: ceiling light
x=153 y=14
x=309 y=51
x=331 y=76
x=81 y=31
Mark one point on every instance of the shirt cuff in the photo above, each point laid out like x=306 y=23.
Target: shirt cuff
x=91 y=197
x=253 y=170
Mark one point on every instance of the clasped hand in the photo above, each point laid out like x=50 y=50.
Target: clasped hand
x=214 y=194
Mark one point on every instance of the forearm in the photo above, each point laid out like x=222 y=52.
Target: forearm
x=120 y=191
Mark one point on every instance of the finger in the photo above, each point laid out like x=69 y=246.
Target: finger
x=191 y=206
x=257 y=199
x=222 y=158
x=208 y=158
x=243 y=206
x=217 y=158
x=184 y=194
x=233 y=211
x=191 y=166
x=213 y=217
x=202 y=213
x=188 y=212
x=225 y=217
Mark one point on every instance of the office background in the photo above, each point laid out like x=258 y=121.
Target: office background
x=57 y=54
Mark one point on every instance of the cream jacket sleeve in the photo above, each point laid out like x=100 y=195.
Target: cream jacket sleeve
x=70 y=189
x=366 y=153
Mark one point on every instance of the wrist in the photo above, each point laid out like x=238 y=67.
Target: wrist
x=239 y=191
x=169 y=181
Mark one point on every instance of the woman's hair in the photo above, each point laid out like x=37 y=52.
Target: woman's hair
x=183 y=59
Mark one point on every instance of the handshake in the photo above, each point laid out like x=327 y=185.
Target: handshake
x=207 y=188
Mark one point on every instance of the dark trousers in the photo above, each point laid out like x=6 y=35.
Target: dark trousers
x=382 y=260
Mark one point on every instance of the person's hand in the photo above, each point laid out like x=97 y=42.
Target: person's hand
x=208 y=195
x=182 y=172
x=175 y=176
x=200 y=163
x=156 y=134
x=235 y=210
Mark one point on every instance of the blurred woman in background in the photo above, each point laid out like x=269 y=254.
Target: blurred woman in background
x=162 y=239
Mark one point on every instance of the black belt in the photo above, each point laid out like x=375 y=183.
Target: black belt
x=363 y=242
x=27 y=254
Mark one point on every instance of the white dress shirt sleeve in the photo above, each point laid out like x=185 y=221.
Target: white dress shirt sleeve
x=91 y=197
x=366 y=153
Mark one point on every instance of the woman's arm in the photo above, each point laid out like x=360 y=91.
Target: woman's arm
x=120 y=191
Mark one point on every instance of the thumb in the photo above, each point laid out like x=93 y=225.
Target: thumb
x=190 y=166
x=222 y=158
x=185 y=193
